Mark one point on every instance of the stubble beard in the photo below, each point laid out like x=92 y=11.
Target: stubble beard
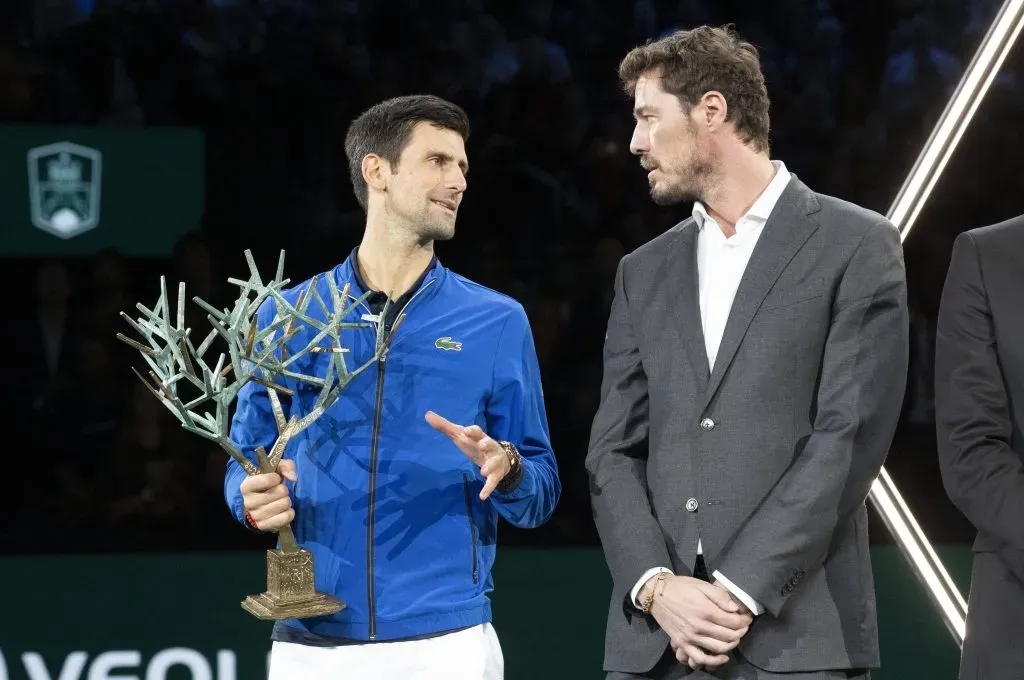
x=689 y=187
x=430 y=228
x=425 y=226
x=673 y=195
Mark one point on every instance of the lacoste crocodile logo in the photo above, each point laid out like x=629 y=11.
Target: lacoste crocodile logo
x=448 y=344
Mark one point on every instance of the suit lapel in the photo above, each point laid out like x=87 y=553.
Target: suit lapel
x=683 y=274
x=787 y=229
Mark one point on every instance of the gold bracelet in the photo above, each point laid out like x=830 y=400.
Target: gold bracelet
x=649 y=601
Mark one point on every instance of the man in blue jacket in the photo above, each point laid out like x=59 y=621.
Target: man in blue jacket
x=398 y=487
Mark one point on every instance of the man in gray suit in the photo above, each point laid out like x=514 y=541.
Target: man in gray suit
x=979 y=414
x=755 y=365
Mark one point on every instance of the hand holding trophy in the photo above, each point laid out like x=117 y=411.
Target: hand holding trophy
x=260 y=356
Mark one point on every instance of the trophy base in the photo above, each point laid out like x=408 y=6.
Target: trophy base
x=290 y=589
x=264 y=607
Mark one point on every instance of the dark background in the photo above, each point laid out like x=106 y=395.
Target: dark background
x=554 y=200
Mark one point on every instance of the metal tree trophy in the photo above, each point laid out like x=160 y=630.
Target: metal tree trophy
x=260 y=356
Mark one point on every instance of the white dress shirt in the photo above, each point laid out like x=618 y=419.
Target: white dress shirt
x=721 y=262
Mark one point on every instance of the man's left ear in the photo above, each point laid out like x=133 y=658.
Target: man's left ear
x=375 y=171
x=715 y=108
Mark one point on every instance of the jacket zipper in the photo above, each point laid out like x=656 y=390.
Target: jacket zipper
x=472 y=526
x=373 y=495
x=374 y=444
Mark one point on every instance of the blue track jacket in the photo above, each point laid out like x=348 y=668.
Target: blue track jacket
x=388 y=506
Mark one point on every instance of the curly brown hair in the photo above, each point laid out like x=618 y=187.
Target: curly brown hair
x=694 y=62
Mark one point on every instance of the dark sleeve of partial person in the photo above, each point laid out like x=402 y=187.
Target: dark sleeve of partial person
x=983 y=476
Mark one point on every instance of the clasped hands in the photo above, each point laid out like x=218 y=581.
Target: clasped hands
x=703 y=620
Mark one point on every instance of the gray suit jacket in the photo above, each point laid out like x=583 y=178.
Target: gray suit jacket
x=979 y=409
x=769 y=458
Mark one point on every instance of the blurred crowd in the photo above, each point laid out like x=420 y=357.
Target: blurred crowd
x=554 y=199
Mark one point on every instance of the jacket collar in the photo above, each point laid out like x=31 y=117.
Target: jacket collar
x=348 y=272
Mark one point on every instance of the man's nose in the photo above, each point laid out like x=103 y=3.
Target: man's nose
x=457 y=181
x=638 y=144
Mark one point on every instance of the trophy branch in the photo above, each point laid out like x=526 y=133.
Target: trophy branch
x=184 y=382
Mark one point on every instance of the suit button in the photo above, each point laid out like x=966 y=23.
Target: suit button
x=707 y=424
x=691 y=505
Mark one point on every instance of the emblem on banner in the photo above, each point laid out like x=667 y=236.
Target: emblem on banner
x=64 y=188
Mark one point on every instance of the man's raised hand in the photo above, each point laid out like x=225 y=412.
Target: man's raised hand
x=478 y=447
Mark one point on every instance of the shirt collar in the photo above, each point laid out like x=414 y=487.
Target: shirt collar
x=377 y=296
x=764 y=204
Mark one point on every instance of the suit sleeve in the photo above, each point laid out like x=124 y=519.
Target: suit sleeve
x=617 y=458
x=516 y=414
x=983 y=476
x=860 y=394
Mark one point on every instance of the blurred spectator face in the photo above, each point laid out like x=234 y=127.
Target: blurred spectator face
x=425 y=189
x=677 y=152
x=52 y=287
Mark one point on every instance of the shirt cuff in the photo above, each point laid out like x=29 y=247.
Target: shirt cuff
x=751 y=604
x=635 y=593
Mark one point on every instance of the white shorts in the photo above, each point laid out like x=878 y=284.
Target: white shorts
x=471 y=654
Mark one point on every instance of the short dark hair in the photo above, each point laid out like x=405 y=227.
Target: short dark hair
x=694 y=62
x=384 y=129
